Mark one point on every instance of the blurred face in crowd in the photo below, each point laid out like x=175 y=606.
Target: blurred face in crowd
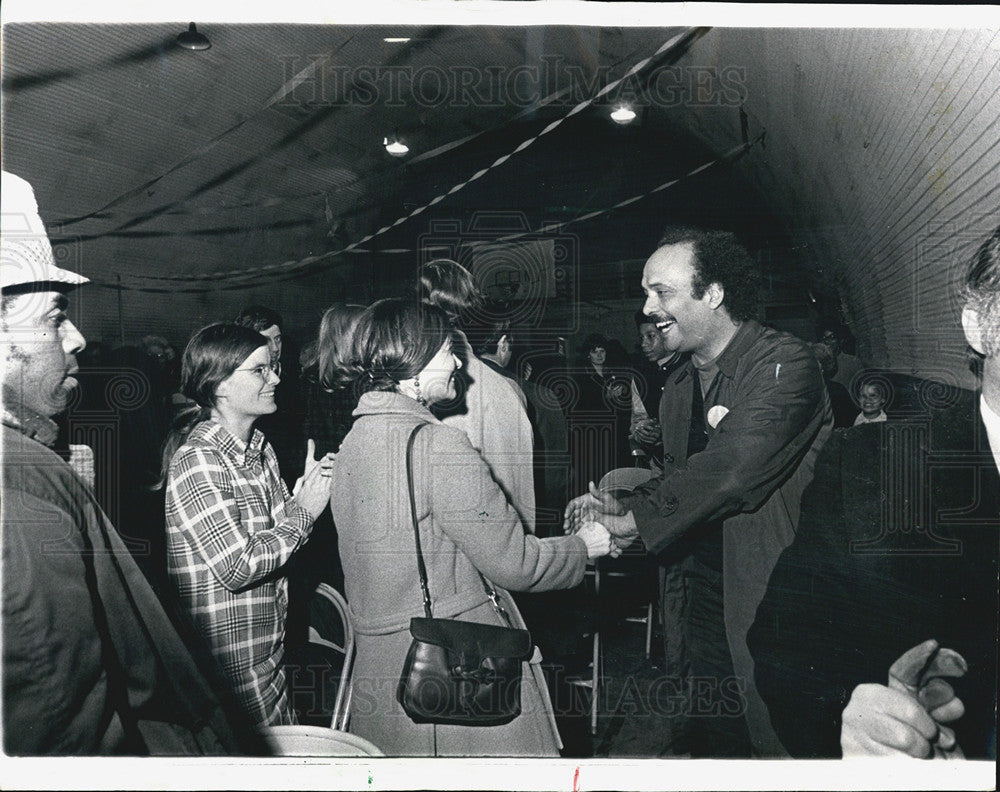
x=598 y=355
x=437 y=378
x=686 y=323
x=652 y=343
x=831 y=342
x=273 y=336
x=872 y=400
x=38 y=347
x=249 y=390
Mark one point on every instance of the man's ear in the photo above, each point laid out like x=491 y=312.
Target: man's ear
x=973 y=334
x=715 y=294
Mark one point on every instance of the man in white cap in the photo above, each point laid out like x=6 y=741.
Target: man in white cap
x=91 y=662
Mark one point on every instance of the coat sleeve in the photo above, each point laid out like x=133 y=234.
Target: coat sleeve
x=210 y=521
x=778 y=407
x=471 y=509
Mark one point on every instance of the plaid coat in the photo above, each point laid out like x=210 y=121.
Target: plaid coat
x=231 y=527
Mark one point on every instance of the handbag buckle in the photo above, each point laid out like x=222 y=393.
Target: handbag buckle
x=497 y=604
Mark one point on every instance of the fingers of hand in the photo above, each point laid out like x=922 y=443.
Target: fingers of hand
x=936 y=693
x=879 y=717
x=946 y=738
x=572 y=512
x=904 y=674
x=949 y=711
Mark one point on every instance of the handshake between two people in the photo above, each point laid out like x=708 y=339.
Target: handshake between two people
x=597 y=514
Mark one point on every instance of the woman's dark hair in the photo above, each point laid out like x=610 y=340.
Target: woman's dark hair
x=393 y=340
x=335 y=343
x=448 y=285
x=590 y=343
x=212 y=355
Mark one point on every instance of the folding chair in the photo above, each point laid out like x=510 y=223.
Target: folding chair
x=330 y=638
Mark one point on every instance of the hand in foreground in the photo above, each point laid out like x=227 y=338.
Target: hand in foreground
x=312 y=490
x=596 y=537
x=905 y=718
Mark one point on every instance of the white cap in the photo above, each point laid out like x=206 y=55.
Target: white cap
x=25 y=250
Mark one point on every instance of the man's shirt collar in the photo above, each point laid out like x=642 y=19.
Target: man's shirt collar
x=31 y=424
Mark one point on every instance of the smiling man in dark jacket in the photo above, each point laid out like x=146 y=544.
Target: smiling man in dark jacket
x=743 y=421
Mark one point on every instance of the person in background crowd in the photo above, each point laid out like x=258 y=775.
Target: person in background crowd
x=231 y=522
x=328 y=420
x=837 y=338
x=744 y=420
x=647 y=387
x=283 y=427
x=404 y=363
x=871 y=398
x=269 y=324
x=840 y=398
x=900 y=526
x=91 y=661
x=489 y=407
x=494 y=347
x=599 y=419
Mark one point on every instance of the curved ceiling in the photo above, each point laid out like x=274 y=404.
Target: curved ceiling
x=861 y=165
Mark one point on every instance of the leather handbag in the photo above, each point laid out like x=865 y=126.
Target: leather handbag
x=459 y=672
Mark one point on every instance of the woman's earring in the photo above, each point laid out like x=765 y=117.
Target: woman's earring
x=416 y=387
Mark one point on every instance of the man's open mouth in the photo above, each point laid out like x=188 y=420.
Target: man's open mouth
x=664 y=324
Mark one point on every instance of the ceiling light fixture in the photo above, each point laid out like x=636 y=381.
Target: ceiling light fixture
x=398 y=40
x=623 y=114
x=193 y=40
x=395 y=147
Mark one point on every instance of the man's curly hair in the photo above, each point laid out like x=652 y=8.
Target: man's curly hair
x=719 y=258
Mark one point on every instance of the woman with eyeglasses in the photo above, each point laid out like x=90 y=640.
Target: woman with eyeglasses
x=231 y=522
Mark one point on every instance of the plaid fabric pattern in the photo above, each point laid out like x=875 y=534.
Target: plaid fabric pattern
x=231 y=526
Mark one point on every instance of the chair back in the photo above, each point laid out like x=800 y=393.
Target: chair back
x=330 y=626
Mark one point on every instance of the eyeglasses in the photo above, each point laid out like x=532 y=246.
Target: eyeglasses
x=263 y=370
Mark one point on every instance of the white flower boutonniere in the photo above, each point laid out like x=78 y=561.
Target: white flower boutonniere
x=716 y=414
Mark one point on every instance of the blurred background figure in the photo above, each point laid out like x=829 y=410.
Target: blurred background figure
x=838 y=339
x=283 y=428
x=840 y=397
x=602 y=413
x=489 y=407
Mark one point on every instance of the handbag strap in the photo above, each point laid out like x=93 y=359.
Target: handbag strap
x=421 y=567
x=413 y=518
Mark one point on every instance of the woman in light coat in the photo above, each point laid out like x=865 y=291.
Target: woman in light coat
x=402 y=361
